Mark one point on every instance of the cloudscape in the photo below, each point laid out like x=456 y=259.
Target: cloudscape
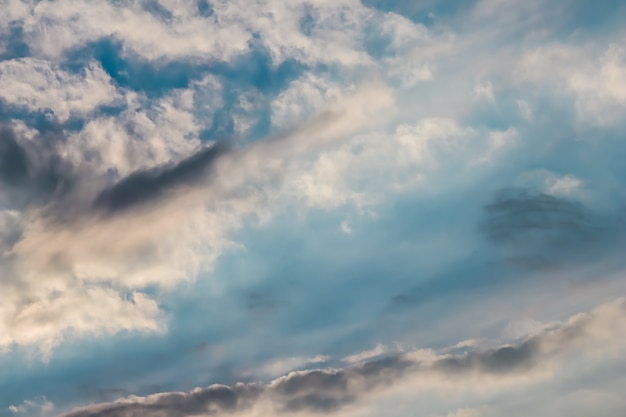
x=347 y=208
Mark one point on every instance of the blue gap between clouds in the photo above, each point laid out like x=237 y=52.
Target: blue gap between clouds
x=15 y=45
x=252 y=70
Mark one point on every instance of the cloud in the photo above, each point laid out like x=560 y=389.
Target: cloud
x=550 y=229
x=465 y=412
x=380 y=349
x=146 y=185
x=120 y=197
x=516 y=215
x=39 y=406
x=38 y=85
x=178 y=31
x=412 y=157
x=601 y=89
x=281 y=366
x=329 y=390
x=596 y=80
x=210 y=401
x=101 y=228
x=31 y=169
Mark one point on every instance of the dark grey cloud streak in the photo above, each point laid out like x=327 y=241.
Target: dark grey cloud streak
x=147 y=185
x=33 y=173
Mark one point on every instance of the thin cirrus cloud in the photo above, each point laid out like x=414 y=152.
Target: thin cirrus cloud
x=302 y=207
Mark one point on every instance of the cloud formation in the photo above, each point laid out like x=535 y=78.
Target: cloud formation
x=217 y=191
x=328 y=390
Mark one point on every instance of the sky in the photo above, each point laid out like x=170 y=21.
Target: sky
x=349 y=208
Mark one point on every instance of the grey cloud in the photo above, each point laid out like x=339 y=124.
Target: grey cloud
x=543 y=231
x=146 y=185
x=501 y=360
x=325 y=390
x=32 y=170
x=13 y=159
x=212 y=400
x=517 y=215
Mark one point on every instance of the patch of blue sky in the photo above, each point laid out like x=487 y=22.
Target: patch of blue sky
x=253 y=70
x=13 y=41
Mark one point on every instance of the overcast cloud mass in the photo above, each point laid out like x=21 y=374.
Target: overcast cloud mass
x=348 y=208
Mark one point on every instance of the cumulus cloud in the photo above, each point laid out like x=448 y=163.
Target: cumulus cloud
x=369 y=166
x=331 y=36
x=38 y=85
x=596 y=80
x=329 y=390
x=95 y=228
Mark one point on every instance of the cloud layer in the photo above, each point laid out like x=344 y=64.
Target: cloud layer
x=328 y=390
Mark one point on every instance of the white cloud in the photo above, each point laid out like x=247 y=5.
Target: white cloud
x=484 y=91
x=524 y=109
x=38 y=406
x=334 y=37
x=304 y=97
x=465 y=412
x=51 y=29
x=380 y=349
x=38 y=85
x=596 y=81
x=371 y=165
x=565 y=185
x=601 y=87
x=58 y=273
x=282 y=366
x=345 y=227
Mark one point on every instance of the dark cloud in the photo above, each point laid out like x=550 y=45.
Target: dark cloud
x=543 y=231
x=501 y=360
x=31 y=171
x=212 y=400
x=259 y=303
x=147 y=185
x=13 y=160
x=34 y=173
x=519 y=216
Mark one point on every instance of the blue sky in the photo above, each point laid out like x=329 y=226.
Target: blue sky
x=347 y=208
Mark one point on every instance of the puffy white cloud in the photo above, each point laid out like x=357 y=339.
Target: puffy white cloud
x=305 y=96
x=38 y=85
x=368 y=166
x=70 y=251
x=596 y=81
x=601 y=87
